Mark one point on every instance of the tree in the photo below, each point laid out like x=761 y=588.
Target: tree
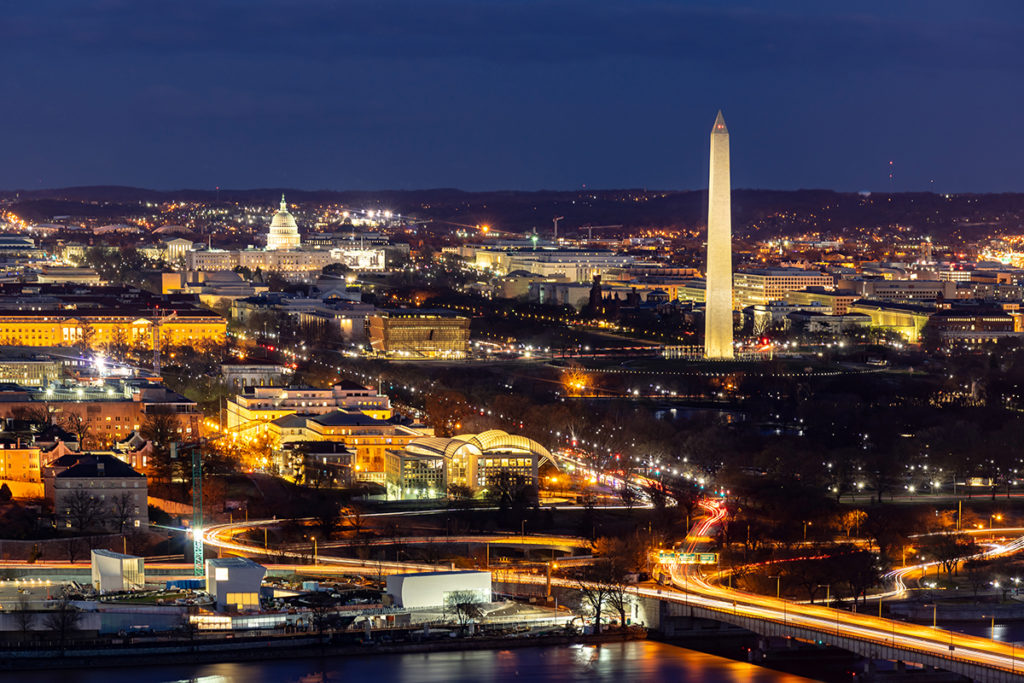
x=595 y=585
x=84 y=511
x=76 y=423
x=62 y=620
x=859 y=569
x=949 y=549
x=5 y=493
x=321 y=611
x=506 y=488
x=465 y=605
x=41 y=415
x=24 y=616
x=87 y=337
x=336 y=269
x=356 y=521
x=73 y=546
x=122 y=509
x=851 y=520
x=445 y=412
x=977 y=574
x=628 y=494
x=161 y=428
x=327 y=512
x=460 y=492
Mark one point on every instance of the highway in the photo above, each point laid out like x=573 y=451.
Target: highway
x=910 y=642
x=912 y=638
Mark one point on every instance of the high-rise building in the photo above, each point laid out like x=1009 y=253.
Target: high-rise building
x=718 y=296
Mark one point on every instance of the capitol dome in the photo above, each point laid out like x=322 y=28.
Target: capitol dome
x=284 y=232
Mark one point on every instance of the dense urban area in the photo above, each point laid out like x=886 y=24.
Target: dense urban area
x=401 y=420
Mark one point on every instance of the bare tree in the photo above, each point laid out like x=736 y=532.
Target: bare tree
x=76 y=423
x=322 y=614
x=118 y=344
x=620 y=599
x=25 y=617
x=84 y=511
x=62 y=620
x=73 y=546
x=85 y=342
x=596 y=587
x=327 y=512
x=122 y=509
x=161 y=428
x=356 y=520
x=464 y=605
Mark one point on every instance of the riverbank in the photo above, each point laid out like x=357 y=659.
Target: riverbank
x=262 y=649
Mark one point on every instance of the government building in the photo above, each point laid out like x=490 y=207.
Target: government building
x=93 y=317
x=284 y=253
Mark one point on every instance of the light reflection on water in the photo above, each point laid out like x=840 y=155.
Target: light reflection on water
x=617 y=662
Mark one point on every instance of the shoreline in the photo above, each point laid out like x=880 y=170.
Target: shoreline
x=261 y=649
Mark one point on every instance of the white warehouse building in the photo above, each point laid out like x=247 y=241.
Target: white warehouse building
x=434 y=589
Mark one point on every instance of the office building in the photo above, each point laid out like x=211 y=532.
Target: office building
x=474 y=460
x=96 y=491
x=259 y=405
x=94 y=317
x=764 y=285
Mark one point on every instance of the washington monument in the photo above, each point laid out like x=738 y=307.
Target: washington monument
x=718 y=291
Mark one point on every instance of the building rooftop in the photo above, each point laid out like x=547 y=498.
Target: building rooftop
x=344 y=418
x=232 y=562
x=93 y=465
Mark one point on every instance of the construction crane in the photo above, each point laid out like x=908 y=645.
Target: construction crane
x=591 y=228
x=198 y=568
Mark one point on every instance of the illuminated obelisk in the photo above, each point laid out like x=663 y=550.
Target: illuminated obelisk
x=718 y=291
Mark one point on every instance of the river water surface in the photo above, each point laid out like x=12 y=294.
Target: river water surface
x=618 y=662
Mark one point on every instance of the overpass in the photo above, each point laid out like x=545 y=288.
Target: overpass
x=980 y=659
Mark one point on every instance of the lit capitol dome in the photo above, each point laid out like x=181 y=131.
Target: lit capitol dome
x=284 y=233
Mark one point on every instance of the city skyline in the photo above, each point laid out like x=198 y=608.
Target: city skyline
x=506 y=95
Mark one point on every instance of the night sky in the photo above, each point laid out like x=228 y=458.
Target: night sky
x=374 y=94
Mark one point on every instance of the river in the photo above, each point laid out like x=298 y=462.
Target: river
x=616 y=662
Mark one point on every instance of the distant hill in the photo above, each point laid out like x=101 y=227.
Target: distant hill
x=760 y=213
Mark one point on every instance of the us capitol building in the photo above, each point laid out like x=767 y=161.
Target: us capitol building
x=284 y=253
x=284 y=232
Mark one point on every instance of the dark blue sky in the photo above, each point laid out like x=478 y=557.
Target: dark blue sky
x=489 y=94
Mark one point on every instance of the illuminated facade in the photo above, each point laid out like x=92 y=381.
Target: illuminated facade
x=762 y=286
x=284 y=232
x=19 y=462
x=906 y=319
x=418 y=334
x=109 y=413
x=718 y=319
x=473 y=460
x=98 y=329
x=284 y=253
x=259 y=405
x=366 y=437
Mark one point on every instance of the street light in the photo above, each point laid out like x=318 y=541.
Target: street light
x=778 y=584
x=828 y=592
